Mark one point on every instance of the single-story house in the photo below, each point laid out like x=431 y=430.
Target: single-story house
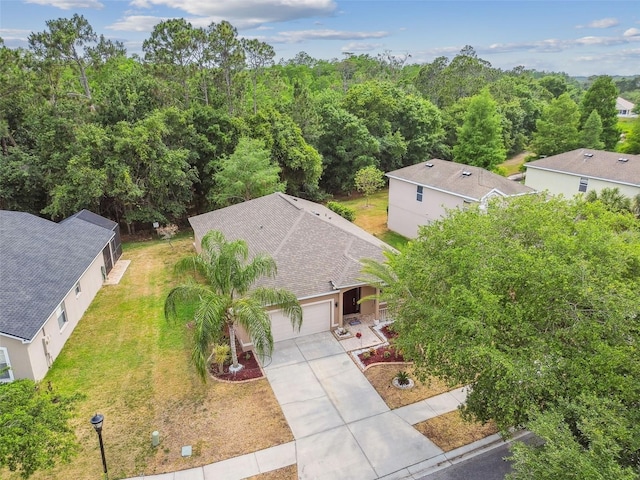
x=422 y=193
x=50 y=272
x=625 y=108
x=317 y=253
x=582 y=170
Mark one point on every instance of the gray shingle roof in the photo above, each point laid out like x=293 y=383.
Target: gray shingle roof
x=448 y=177
x=602 y=165
x=314 y=248
x=40 y=262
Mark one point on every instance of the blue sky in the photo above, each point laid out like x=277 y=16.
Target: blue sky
x=577 y=37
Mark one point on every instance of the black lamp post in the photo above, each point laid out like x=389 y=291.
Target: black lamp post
x=96 y=421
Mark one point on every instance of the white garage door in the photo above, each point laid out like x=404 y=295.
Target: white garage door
x=316 y=317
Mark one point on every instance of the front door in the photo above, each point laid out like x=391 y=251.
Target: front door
x=350 y=303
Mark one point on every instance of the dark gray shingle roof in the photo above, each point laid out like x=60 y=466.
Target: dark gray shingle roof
x=314 y=248
x=448 y=176
x=602 y=165
x=40 y=262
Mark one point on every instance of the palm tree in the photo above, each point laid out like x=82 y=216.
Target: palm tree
x=223 y=295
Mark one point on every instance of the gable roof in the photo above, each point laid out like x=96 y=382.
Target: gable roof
x=40 y=262
x=622 y=104
x=600 y=165
x=316 y=250
x=94 y=218
x=448 y=177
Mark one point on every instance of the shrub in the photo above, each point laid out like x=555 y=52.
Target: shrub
x=342 y=210
x=386 y=354
x=403 y=378
x=220 y=354
x=366 y=355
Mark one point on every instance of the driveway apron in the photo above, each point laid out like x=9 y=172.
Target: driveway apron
x=342 y=427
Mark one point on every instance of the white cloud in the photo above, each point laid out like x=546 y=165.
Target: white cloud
x=297 y=36
x=601 y=23
x=361 y=47
x=632 y=32
x=136 y=23
x=14 y=34
x=68 y=4
x=257 y=11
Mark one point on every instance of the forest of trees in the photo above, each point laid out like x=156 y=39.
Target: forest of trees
x=156 y=137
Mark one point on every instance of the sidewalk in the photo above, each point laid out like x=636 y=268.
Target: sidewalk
x=341 y=426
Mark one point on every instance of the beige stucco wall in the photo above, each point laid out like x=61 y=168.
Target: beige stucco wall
x=567 y=185
x=368 y=307
x=406 y=213
x=33 y=360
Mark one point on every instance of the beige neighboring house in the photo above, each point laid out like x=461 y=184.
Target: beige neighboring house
x=625 y=108
x=317 y=253
x=422 y=193
x=49 y=274
x=583 y=170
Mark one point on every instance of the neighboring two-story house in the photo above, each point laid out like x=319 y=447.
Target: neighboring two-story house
x=422 y=193
x=583 y=170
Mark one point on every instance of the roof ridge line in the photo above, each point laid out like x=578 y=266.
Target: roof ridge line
x=301 y=213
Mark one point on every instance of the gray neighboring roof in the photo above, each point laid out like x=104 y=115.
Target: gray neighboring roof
x=94 y=218
x=602 y=165
x=448 y=177
x=314 y=248
x=40 y=262
x=623 y=104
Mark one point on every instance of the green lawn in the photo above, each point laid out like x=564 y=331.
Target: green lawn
x=371 y=216
x=134 y=367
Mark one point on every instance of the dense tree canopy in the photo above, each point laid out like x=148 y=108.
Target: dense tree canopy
x=539 y=315
x=75 y=110
x=557 y=128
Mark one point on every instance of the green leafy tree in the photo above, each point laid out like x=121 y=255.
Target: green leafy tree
x=592 y=131
x=247 y=173
x=538 y=315
x=227 y=298
x=258 y=55
x=480 y=140
x=557 y=129
x=632 y=143
x=228 y=55
x=611 y=198
x=369 y=180
x=64 y=42
x=601 y=96
x=34 y=430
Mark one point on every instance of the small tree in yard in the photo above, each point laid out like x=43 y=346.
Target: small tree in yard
x=224 y=298
x=34 y=433
x=369 y=180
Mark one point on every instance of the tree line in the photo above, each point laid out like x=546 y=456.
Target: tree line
x=204 y=118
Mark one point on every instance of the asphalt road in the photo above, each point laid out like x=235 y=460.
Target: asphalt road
x=485 y=466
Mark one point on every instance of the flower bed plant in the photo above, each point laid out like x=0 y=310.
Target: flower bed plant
x=385 y=353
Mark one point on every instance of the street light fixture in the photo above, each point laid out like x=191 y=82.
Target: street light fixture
x=97 y=421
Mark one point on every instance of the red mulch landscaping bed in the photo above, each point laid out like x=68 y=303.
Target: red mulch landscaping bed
x=250 y=371
x=377 y=355
x=388 y=333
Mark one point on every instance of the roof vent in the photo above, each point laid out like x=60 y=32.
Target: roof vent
x=428 y=165
x=466 y=173
x=623 y=160
x=588 y=155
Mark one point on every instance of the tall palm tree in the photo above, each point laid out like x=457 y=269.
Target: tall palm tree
x=224 y=297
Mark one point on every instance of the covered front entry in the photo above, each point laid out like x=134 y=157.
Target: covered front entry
x=350 y=300
x=316 y=318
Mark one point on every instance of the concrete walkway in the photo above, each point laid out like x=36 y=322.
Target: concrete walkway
x=342 y=427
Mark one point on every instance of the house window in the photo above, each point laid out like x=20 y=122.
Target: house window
x=419 y=193
x=583 y=184
x=5 y=375
x=62 y=315
x=78 y=289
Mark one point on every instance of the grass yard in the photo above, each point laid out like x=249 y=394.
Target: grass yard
x=513 y=164
x=373 y=217
x=134 y=368
x=380 y=376
x=450 y=431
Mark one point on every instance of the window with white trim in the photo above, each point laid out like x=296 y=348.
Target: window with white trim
x=78 y=289
x=5 y=375
x=61 y=312
x=583 y=184
x=419 y=193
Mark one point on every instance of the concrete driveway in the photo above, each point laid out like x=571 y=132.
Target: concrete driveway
x=342 y=427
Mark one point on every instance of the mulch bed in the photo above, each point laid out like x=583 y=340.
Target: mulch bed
x=250 y=371
x=377 y=355
x=388 y=333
